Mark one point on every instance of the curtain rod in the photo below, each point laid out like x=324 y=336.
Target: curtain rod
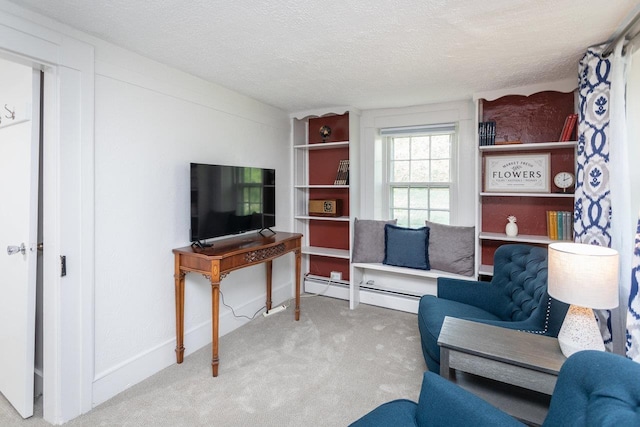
x=623 y=34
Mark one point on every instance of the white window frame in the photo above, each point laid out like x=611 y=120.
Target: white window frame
x=388 y=134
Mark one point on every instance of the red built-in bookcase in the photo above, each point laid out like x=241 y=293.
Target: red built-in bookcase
x=323 y=167
x=537 y=118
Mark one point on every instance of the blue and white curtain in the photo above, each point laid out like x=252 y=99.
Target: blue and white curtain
x=632 y=344
x=603 y=212
x=592 y=211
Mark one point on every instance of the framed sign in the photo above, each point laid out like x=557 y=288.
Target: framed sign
x=523 y=173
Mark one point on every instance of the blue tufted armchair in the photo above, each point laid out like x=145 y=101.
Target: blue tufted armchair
x=594 y=388
x=516 y=298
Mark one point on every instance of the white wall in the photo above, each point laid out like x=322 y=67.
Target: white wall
x=463 y=207
x=150 y=122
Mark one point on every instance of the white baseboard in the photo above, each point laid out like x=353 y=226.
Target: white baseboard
x=117 y=379
x=395 y=302
x=335 y=290
x=372 y=297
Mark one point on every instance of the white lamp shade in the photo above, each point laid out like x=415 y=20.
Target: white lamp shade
x=583 y=275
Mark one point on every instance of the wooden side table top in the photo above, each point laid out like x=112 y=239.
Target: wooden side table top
x=523 y=349
x=513 y=370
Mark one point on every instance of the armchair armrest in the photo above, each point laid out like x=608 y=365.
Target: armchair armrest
x=480 y=294
x=399 y=413
x=596 y=388
x=443 y=403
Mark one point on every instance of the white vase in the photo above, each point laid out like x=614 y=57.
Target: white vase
x=511 y=229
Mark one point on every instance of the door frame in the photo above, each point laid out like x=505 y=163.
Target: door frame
x=68 y=205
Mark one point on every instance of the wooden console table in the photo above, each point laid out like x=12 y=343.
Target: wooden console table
x=217 y=261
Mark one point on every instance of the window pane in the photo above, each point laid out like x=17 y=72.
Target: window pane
x=418 y=217
x=402 y=215
x=420 y=148
x=400 y=171
x=439 y=198
x=420 y=171
x=440 y=217
x=400 y=197
x=419 y=198
x=401 y=149
x=440 y=171
x=441 y=147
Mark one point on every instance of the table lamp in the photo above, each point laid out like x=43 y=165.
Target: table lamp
x=586 y=277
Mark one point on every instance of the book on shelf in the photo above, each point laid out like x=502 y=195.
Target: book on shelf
x=487 y=133
x=568 y=226
x=560 y=229
x=560 y=225
x=552 y=231
x=569 y=127
x=342 y=176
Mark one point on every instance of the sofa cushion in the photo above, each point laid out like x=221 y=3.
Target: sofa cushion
x=406 y=247
x=452 y=248
x=368 y=240
x=431 y=313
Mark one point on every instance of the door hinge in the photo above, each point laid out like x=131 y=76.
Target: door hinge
x=63 y=265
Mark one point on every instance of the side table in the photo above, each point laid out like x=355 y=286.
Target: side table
x=521 y=359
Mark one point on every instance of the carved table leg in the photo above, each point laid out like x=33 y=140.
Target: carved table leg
x=298 y=268
x=269 y=272
x=215 y=314
x=179 y=283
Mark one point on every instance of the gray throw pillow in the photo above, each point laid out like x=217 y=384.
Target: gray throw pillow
x=452 y=248
x=368 y=240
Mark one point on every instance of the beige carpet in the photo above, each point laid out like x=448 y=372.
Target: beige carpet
x=328 y=369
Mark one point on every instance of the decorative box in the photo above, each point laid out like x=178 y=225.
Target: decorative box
x=325 y=207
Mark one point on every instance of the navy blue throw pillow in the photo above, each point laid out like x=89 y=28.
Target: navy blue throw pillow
x=406 y=247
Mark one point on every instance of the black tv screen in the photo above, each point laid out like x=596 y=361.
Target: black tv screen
x=230 y=200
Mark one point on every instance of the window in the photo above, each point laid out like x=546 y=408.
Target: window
x=419 y=174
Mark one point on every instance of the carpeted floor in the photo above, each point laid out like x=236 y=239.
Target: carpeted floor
x=328 y=369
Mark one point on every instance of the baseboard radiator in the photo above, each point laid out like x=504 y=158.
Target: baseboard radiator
x=343 y=285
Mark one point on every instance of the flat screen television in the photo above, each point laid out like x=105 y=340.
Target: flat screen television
x=229 y=200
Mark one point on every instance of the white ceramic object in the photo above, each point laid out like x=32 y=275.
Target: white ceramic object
x=512 y=228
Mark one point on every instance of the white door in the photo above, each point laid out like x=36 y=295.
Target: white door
x=18 y=234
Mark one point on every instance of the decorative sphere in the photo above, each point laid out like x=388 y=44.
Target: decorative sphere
x=325 y=132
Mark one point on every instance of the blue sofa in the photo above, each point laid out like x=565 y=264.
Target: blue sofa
x=515 y=298
x=594 y=389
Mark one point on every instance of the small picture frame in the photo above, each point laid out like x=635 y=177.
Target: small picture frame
x=522 y=173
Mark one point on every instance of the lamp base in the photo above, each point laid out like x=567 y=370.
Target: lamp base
x=579 y=331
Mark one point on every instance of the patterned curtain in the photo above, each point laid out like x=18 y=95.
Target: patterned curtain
x=633 y=314
x=592 y=214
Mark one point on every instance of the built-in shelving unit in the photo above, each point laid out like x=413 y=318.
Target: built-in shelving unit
x=527 y=147
x=327 y=239
x=535 y=116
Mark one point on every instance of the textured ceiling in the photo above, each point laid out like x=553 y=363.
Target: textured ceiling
x=299 y=55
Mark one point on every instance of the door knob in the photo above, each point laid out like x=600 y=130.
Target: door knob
x=12 y=250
